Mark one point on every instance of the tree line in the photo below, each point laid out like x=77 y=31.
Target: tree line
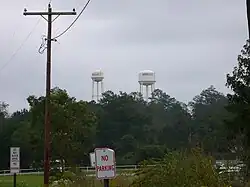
x=135 y=129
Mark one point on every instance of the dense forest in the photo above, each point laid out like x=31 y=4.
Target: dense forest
x=135 y=129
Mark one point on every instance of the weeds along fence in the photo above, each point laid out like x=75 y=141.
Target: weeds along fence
x=86 y=169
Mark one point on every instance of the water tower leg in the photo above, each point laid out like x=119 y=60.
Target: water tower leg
x=147 y=93
x=152 y=88
x=102 y=88
x=93 y=90
x=97 y=95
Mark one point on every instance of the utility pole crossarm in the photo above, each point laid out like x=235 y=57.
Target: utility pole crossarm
x=48 y=13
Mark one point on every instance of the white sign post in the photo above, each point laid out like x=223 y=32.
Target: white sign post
x=105 y=163
x=14 y=160
x=92 y=159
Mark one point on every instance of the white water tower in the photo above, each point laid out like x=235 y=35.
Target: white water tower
x=147 y=80
x=97 y=78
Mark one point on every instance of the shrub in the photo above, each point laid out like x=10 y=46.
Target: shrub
x=189 y=169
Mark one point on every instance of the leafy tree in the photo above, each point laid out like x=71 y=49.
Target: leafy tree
x=8 y=126
x=170 y=119
x=208 y=115
x=150 y=152
x=3 y=116
x=239 y=101
x=73 y=126
x=123 y=122
x=4 y=133
x=3 y=109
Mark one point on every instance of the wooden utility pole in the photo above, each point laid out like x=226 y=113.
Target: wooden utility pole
x=47 y=123
x=248 y=16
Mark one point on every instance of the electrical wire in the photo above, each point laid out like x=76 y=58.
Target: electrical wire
x=20 y=47
x=73 y=21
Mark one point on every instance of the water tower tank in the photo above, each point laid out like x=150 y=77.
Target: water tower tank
x=97 y=76
x=97 y=79
x=147 y=77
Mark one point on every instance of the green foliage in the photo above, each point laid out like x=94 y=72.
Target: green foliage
x=80 y=179
x=208 y=128
x=136 y=130
x=73 y=125
x=179 y=169
x=239 y=104
x=239 y=101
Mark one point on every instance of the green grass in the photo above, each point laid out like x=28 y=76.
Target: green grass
x=30 y=180
x=37 y=181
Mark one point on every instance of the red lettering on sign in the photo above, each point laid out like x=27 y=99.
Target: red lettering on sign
x=105 y=168
x=104 y=158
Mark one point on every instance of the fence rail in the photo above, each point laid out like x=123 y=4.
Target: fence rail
x=86 y=169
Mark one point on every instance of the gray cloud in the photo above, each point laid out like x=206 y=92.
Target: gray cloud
x=190 y=44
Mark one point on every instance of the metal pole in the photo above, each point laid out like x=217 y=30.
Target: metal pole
x=106 y=182
x=14 y=180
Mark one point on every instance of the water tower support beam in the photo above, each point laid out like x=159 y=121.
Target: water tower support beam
x=93 y=90
x=102 y=88
x=97 y=94
x=152 y=88
x=147 y=93
x=141 y=89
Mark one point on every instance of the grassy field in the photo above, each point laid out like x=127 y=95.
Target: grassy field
x=37 y=181
x=30 y=180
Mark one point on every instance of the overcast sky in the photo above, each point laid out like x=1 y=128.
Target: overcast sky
x=190 y=44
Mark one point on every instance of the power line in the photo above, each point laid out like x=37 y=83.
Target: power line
x=73 y=21
x=20 y=47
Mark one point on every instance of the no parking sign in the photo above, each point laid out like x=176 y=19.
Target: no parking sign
x=105 y=163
